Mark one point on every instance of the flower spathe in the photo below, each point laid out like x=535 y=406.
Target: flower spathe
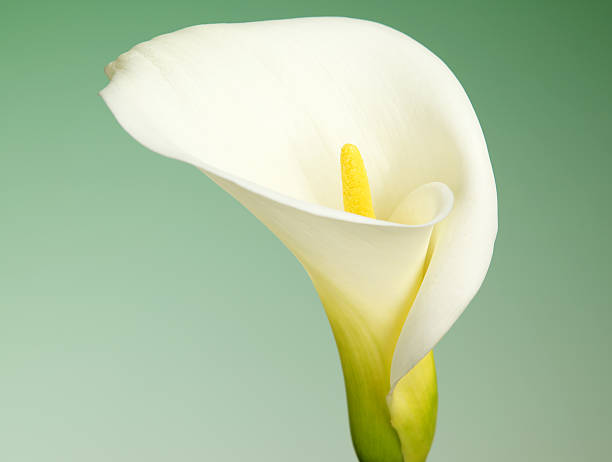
x=263 y=108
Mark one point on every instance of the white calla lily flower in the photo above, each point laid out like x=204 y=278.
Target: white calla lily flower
x=262 y=109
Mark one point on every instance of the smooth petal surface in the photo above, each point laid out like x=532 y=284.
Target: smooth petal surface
x=375 y=265
x=263 y=109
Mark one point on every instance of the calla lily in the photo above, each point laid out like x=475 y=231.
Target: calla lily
x=263 y=109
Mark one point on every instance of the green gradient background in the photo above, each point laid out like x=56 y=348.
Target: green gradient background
x=146 y=316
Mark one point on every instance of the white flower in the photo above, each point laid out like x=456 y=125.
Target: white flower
x=263 y=109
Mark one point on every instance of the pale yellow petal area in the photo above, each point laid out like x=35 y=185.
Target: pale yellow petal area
x=414 y=408
x=366 y=360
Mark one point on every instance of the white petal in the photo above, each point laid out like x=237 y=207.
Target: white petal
x=264 y=108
